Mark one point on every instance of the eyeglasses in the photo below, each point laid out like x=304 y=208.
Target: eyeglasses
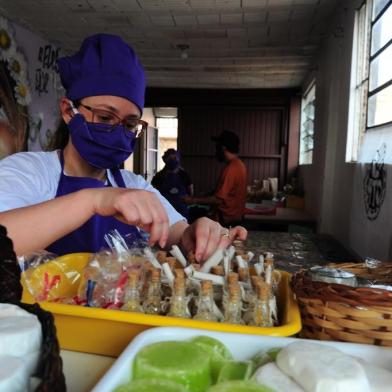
x=131 y=124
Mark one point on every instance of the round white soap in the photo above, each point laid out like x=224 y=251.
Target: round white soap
x=13 y=374
x=271 y=376
x=20 y=332
x=321 y=368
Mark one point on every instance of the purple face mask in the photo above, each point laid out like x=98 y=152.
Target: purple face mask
x=172 y=164
x=99 y=146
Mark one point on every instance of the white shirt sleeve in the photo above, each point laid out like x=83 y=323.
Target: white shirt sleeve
x=135 y=181
x=28 y=178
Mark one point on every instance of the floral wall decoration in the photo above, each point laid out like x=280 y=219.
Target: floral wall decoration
x=28 y=116
x=14 y=93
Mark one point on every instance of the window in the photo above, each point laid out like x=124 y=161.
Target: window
x=167 y=127
x=307 y=125
x=380 y=71
x=371 y=73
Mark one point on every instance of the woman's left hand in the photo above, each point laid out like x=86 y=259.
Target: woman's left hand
x=204 y=236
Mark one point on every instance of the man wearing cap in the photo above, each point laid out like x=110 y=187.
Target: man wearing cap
x=66 y=200
x=230 y=193
x=173 y=182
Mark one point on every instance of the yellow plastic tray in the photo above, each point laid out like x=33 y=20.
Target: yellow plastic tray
x=108 y=332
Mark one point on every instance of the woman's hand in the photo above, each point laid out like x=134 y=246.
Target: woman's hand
x=204 y=236
x=135 y=207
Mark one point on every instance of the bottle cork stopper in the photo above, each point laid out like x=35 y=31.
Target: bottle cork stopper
x=268 y=262
x=179 y=273
x=172 y=262
x=234 y=291
x=256 y=280
x=161 y=256
x=240 y=252
x=206 y=287
x=179 y=284
x=155 y=275
x=218 y=270
x=263 y=291
x=243 y=274
x=232 y=278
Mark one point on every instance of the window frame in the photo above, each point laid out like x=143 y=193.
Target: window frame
x=371 y=58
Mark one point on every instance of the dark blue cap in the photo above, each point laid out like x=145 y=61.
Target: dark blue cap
x=168 y=152
x=104 y=65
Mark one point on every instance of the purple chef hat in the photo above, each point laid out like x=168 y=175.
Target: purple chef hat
x=104 y=65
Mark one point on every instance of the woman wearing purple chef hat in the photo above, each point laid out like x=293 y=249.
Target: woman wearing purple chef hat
x=66 y=200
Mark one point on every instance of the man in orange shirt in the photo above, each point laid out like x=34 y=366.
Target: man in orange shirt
x=230 y=193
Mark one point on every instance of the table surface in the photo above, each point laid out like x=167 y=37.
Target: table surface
x=293 y=251
x=82 y=371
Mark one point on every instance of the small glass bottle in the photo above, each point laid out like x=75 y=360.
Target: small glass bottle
x=232 y=279
x=261 y=314
x=205 y=303
x=233 y=307
x=132 y=295
x=179 y=300
x=250 y=298
x=152 y=303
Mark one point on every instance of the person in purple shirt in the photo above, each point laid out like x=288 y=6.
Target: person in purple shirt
x=67 y=199
x=173 y=182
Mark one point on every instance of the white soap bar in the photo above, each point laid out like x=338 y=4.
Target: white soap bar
x=13 y=375
x=320 y=368
x=380 y=379
x=20 y=331
x=271 y=376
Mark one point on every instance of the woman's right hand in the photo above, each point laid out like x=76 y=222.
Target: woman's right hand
x=135 y=207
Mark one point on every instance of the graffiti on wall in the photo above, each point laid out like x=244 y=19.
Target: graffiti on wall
x=45 y=75
x=14 y=93
x=375 y=184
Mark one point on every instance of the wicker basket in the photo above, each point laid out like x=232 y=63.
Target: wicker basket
x=338 y=312
x=50 y=366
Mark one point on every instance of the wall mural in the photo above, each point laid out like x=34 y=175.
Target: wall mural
x=30 y=88
x=14 y=94
x=375 y=184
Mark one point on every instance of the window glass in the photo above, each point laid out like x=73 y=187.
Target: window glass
x=379 y=107
x=378 y=6
x=307 y=126
x=381 y=69
x=382 y=31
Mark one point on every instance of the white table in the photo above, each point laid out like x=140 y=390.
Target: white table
x=82 y=371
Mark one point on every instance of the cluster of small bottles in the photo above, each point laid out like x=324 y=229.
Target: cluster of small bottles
x=243 y=299
x=237 y=297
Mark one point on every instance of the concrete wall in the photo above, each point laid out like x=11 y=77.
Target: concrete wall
x=334 y=188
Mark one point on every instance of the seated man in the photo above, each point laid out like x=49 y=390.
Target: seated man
x=230 y=193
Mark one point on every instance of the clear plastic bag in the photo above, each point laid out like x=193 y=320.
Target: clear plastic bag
x=47 y=276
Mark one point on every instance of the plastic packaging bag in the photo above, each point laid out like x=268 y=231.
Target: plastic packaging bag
x=47 y=276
